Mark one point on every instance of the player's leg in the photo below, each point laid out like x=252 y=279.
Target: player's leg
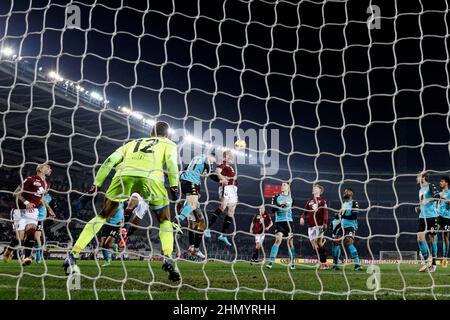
x=320 y=245
x=107 y=245
x=422 y=243
x=132 y=220
x=28 y=244
x=197 y=228
x=227 y=221
x=159 y=204
x=291 y=248
x=445 y=238
x=191 y=235
x=93 y=226
x=190 y=205
x=215 y=215
x=119 y=190
x=433 y=249
x=275 y=247
x=191 y=191
x=17 y=224
x=167 y=241
x=37 y=239
x=259 y=239
x=349 y=244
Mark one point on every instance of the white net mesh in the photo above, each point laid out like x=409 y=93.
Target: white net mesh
x=344 y=93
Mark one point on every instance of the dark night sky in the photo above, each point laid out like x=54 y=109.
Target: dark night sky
x=312 y=69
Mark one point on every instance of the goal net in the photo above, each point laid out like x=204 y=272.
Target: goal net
x=346 y=94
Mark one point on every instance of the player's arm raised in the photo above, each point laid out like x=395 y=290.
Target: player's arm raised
x=115 y=158
x=171 y=162
x=50 y=212
x=270 y=224
x=222 y=178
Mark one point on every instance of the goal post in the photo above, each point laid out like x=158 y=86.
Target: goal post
x=398 y=256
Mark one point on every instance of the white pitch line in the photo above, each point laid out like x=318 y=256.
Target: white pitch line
x=379 y=294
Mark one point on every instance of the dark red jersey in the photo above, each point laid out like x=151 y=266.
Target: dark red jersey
x=317 y=211
x=261 y=222
x=228 y=171
x=33 y=189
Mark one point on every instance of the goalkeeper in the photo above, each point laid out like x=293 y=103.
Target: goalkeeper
x=139 y=167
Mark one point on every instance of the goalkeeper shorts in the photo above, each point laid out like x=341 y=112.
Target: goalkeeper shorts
x=154 y=192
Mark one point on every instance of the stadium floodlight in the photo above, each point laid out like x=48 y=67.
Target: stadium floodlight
x=96 y=96
x=55 y=76
x=137 y=115
x=191 y=139
x=8 y=52
x=125 y=110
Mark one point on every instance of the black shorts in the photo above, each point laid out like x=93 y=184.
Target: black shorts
x=427 y=225
x=443 y=223
x=189 y=188
x=111 y=231
x=348 y=232
x=39 y=226
x=284 y=227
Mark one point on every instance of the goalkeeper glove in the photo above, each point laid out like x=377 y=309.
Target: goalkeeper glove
x=85 y=198
x=174 y=193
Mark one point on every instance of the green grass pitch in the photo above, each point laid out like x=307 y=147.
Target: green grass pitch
x=218 y=280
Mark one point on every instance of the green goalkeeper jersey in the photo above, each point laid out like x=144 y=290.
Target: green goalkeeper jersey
x=143 y=158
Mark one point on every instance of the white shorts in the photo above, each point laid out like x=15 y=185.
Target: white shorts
x=259 y=238
x=315 y=232
x=229 y=193
x=142 y=207
x=22 y=218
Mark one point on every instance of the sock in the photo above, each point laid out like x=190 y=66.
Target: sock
x=434 y=252
x=214 y=216
x=423 y=249
x=39 y=252
x=89 y=231
x=226 y=223
x=198 y=240
x=187 y=209
x=166 y=237
x=336 y=253
x=106 y=254
x=445 y=246
x=255 y=254
x=29 y=244
x=354 y=253
x=322 y=255
x=292 y=254
x=191 y=235
x=273 y=253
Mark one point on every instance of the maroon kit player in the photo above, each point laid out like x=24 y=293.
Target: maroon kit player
x=317 y=211
x=261 y=223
